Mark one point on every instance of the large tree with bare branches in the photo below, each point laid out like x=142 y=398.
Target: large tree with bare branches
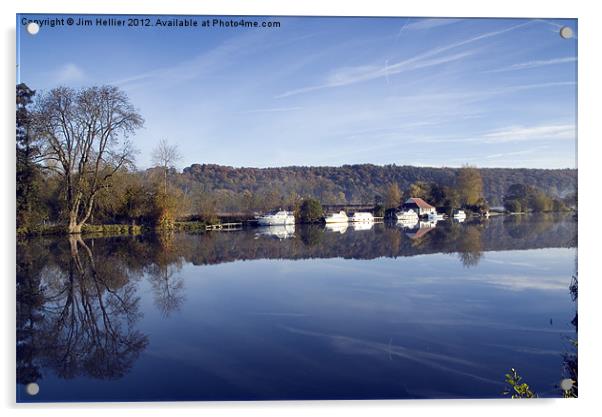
x=84 y=136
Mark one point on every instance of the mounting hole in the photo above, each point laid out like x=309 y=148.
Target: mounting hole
x=32 y=388
x=566 y=32
x=566 y=384
x=33 y=28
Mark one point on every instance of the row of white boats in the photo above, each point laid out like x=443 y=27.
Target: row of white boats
x=284 y=217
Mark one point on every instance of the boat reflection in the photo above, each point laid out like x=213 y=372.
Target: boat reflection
x=337 y=227
x=422 y=229
x=359 y=226
x=408 y=223
x=277 y=231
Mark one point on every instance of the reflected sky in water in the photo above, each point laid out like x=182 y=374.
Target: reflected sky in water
x=251 y=315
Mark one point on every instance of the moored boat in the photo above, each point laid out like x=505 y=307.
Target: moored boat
x=340 y=217
x=361 y=216
x=279 y=217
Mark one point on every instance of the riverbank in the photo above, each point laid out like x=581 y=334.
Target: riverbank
x=113 y=229
x=188 y=225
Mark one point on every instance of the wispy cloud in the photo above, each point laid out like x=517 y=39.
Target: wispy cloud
x=541 y=132
x=535 y=64
x=204 y=63
x=522 y=283
x=424 y=24
x=271 y=110
x=471 y=96
x=351 y=75
x=69 y=73
x=358 y=346
x=505 y=155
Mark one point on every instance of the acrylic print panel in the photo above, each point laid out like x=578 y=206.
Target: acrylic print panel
x=295 y=208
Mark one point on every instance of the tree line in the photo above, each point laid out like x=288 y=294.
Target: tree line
x=358 y=184
x=75 y=167
x=522 y=198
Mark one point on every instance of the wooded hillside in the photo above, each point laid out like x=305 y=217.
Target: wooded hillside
x=361 y=183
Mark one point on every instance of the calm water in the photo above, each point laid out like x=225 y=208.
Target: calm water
x=298 y=313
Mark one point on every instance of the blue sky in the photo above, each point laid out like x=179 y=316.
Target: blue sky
x=332 y=91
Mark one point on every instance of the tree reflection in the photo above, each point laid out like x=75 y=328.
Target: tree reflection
x=164 y=276
x=570 y=357
x=30 y=302
x=526 y=226
x=86 y=311
x=311 y=234
x=470 y=247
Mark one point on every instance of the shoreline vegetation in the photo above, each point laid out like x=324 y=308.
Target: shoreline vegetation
x=76 y=175
x=177 y=226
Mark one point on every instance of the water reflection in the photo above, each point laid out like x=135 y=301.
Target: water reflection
x=359 y=226
x=283 y=231
x=337 y=227
x=470 y=246
x=76 y=312
x=407 y=223
x=79 y=300
x=570 y=357
x=421 y=229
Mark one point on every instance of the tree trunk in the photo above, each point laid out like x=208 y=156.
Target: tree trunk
x=165 y=180
x=74 y=227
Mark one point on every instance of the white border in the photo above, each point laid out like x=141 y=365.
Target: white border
x=589 y=200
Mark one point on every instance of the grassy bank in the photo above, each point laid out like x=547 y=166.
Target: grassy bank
x=112 y=229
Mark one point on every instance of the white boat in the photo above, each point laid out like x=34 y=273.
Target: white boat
x=433 y=217
x=340 y=217
x=361 y=216
x=460 y=215
x=407 y=215
x=279 y=217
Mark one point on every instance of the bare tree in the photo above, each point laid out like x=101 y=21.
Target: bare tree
x=166 y=156
x=84 y=138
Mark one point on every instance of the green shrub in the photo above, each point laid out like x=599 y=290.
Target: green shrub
x=310 y=211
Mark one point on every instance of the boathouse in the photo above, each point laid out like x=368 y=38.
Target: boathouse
x=419 y=206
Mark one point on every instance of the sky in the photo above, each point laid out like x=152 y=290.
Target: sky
x=330 y=91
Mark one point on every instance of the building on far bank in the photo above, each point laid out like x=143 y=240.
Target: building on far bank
x=419 y=206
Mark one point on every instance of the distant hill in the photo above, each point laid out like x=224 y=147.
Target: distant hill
x=361 y=183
